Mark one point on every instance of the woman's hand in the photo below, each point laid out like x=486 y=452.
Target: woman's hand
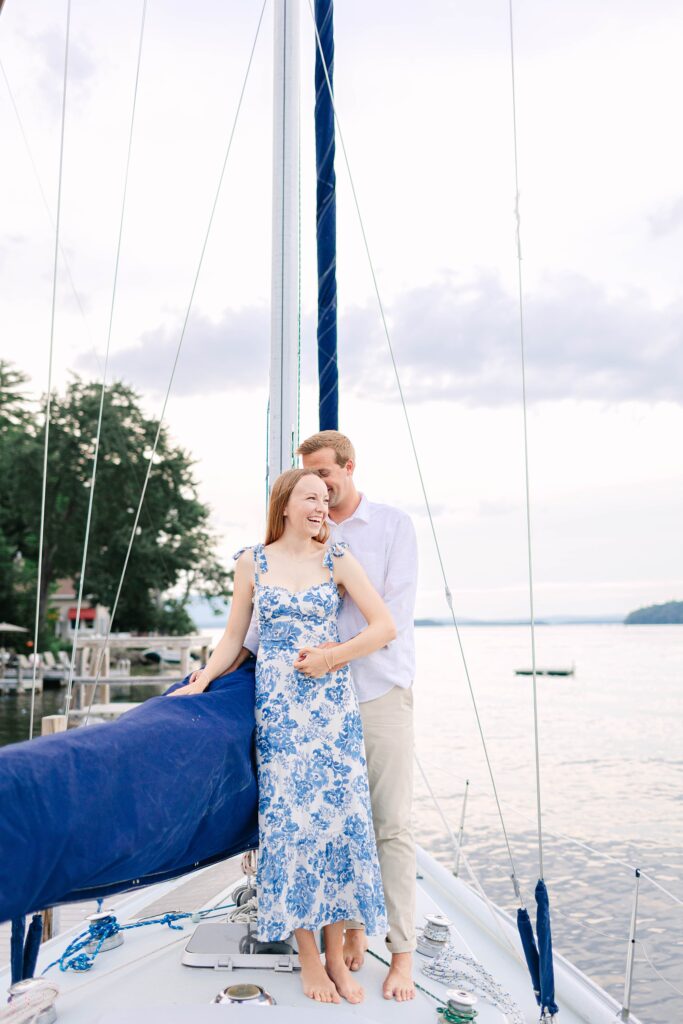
x=193 y=686
x=328 y=646
x=315 y=662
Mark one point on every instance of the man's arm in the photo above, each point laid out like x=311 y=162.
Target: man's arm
x=400 y=581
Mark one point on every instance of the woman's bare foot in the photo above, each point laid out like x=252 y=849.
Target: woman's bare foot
x=355 y=945
x=399 y=984
x=317 y=983
x=346 y=985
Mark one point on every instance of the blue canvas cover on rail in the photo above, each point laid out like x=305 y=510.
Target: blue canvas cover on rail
x=94 y=811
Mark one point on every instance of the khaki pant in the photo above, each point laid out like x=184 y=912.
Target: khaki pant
x=388 y=735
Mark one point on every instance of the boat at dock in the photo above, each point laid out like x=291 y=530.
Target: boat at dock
x=164 y=656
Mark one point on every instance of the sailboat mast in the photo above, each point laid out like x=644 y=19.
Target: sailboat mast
x=284 y=353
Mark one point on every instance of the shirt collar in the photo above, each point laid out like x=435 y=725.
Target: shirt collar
x=362 y=513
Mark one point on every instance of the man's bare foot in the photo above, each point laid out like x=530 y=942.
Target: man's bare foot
x=355 y=944
x=317 y=983
x=399 y=984
x=346 y=985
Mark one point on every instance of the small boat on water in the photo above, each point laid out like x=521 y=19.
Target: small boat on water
x=162 y=656
x=546 y=671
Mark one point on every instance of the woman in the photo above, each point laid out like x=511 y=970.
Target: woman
x=317 y=858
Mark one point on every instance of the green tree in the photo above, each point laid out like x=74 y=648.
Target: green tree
x=17 y=573
x=174 y=548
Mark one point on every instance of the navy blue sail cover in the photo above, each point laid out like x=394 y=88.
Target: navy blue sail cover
x=95 y=811
x=526 y=934
x=326 y=218
x=545 y=949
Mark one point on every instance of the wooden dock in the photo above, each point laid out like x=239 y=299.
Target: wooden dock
x=94 y=664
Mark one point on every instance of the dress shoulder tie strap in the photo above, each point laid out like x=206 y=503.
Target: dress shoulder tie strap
x=335 y=550
x=260 y=561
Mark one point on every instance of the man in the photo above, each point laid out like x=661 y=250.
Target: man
x=383 y=540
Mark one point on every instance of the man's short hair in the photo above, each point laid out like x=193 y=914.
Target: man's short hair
x=339 y=443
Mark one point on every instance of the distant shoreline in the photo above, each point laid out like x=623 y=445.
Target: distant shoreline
x=205 y=620
x=555 y=620
x=209 y=622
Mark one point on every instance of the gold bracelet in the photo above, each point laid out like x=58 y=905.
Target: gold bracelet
x=330 y=668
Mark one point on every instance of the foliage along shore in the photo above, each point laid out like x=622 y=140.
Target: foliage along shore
x=670 y=613
x=174 y=554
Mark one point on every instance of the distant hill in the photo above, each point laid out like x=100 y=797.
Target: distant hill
x=657 y=614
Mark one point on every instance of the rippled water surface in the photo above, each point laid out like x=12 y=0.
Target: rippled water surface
x=611 y=778
x=611 y=743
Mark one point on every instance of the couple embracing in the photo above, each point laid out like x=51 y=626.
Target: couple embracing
x=332 y=593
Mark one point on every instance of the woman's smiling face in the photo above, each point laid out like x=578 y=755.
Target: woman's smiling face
x=306 y=509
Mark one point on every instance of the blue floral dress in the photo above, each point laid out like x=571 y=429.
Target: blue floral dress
x=317 y=855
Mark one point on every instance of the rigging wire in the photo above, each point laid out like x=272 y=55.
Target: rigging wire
x=181 y=338
x=29 y=153
x=64 y=259
x=577 y=842
x=459 y=852
x=527 y=488
x=577 y=922
x=93 y=478
x=46 y=446
x=657 y=971
x=449 y=596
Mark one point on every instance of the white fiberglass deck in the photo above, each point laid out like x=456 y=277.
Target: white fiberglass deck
x=144 y=982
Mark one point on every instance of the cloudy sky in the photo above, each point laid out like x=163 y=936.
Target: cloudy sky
x=424 y=98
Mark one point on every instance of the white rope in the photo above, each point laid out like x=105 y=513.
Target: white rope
x=28 y=1006
x=532 y=620
x=41 y=540
x=464 y=970
x=247 y=913
x=449 y=596
x=175 y=362
x=93 y=478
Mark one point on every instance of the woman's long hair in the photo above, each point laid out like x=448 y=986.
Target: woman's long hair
x=279 y=498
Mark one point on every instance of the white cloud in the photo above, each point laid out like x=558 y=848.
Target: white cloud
x=454 y=339
x=217 y=355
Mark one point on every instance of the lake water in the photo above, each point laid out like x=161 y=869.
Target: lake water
x=611 y=778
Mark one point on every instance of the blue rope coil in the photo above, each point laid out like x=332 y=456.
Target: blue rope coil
x=73 y=958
